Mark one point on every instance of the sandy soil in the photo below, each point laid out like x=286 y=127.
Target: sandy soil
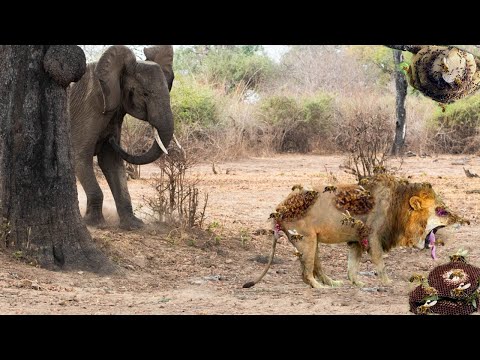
x=202 y=272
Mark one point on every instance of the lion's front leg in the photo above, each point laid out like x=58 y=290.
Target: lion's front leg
x=376 y=252
x=354 y=256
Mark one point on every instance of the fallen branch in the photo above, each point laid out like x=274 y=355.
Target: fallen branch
x=476 y=191
x=470 y=174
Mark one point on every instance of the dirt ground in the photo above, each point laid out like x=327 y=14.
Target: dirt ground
x=172 y=272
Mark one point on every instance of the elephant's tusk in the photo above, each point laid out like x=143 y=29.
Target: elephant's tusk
x=176 y=142
x=159 y=141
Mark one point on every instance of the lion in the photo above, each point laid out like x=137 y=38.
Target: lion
x=376 y=215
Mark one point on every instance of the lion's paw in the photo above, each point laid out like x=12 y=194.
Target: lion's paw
x=386 y=281
x=317 y=285
x=358 y=283
x=336 y=283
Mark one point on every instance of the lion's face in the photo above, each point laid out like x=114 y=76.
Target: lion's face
x=429 y=215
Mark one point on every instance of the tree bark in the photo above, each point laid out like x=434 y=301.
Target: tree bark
x=39 y=213
x=401 y=91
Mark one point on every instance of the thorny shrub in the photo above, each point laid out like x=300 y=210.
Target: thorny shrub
x=366 y=134
x=177 y=198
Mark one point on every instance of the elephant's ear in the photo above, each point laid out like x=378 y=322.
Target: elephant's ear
x=114 y=63
x=163 y=56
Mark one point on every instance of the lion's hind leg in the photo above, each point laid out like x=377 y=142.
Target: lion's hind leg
x=354 y=256
x=320 y=274
x=306 y=245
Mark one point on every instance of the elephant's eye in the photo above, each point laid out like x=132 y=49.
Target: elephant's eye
x=145 y=94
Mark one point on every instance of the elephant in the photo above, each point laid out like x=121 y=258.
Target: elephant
x=114 y=86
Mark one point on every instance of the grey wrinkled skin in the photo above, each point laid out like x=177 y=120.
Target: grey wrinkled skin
x=65 y=63
x=116 y=85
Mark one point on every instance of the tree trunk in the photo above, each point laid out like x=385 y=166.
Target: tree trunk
x=401 y=90
x=39 y=213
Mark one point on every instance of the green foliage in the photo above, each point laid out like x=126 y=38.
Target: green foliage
x=193 y=104
x=187 y=60
x=316 y=110
x=280 y=110
x=225 y=66
x=297 y=121
x=381 y=57
x=465 y=113
x=455 y=129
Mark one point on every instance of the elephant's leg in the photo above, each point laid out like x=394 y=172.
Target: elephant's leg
x=320 y=274
x=114 y=170
x=86 y=176
x=354 y=256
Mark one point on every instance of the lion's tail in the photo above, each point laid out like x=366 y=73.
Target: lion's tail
x=277 y=235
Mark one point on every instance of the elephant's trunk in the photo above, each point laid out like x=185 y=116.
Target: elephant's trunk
x=164 y=132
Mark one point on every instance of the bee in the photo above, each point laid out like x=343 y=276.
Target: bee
x=456 y=257
x=379 y=169
x=430 y=291
x=364 y=181
x=425 y=308
x=275 y=215
x=358 y=223
x=297 y=253
x=460 y=289
x=456 y=273
x=330 y=188
x=294 y=235
x=417 y=278
x=348 y=219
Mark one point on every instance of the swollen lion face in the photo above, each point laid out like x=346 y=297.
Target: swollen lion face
x=438 y=216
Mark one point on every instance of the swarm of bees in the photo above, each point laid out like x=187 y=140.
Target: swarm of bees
x=363 y=230
x=355 y=199
x=296 y=204
x=443 y=73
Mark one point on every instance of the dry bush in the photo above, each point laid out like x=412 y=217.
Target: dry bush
x=365 y=132
x=236 y=134
x=330 y=68
x=177 y=199
x=419 y=110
